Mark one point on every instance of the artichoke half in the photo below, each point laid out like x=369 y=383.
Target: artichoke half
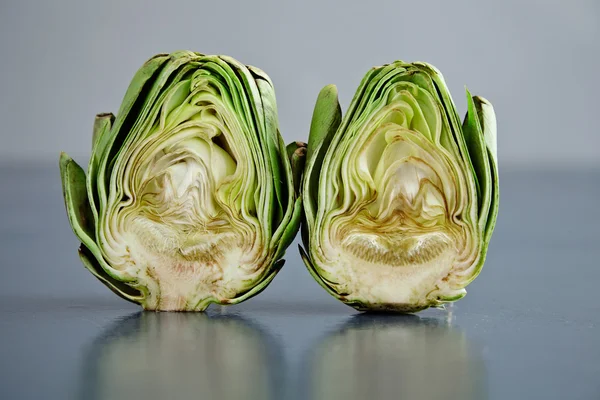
x=400 y=198
x=189 y=198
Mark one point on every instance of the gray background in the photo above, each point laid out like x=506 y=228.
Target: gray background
x=530 y=325
x=536 y=60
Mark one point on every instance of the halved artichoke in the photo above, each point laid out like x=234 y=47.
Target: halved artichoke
x=400 y=199
x=189 y=198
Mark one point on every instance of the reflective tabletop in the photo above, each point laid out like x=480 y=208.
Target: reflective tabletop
x=528 y=328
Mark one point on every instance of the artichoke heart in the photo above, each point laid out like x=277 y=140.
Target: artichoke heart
x=400 y=198
x=189 y=196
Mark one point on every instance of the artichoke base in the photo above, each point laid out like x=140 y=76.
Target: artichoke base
x=380 y=287
x=175 y=283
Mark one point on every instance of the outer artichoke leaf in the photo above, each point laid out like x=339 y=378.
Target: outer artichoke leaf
x=326 y=119
x=479 y=156
x=487 y=121
x=76 y=200
x=495 y=197
x=79 y=211
x=119 y=288
x=490 y=222
x=313 y=272
x=291 y=229
x=296 y=152
x=291 y=148
x=102 y=126
x=260 y=286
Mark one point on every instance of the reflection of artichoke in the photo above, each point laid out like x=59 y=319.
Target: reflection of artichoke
x=400 y=198
x=188 y=198
x=168 y=355
x=378 y=357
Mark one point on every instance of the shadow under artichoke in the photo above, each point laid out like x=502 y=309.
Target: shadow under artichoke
x=175 y=355
x=375 y=356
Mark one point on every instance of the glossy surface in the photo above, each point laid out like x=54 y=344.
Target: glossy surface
x=529 y=326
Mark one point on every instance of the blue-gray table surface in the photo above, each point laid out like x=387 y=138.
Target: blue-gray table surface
x=529 y=327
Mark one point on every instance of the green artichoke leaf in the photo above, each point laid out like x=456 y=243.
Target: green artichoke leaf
x=400 y=198
x=296 y=152
x=189 y=197
x=487 y=121
x=102 y=127
x=79 y=211
x=479 y=156
x=122 y=290
x=326 y=119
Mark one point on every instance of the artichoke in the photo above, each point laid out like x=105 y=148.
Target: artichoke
x=188 y=198
x=400 y=198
